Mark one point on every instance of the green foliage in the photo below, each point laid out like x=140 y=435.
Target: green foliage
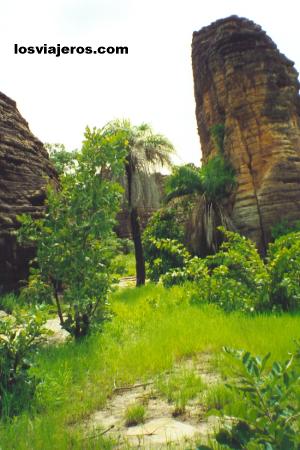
x=163 y=224
x=164 y=255
x=217 y=177
x=62 y=160
x=162 y=242
x=271 y=405
x=126 y=246
x=236 y=278
x=184 y=180
x=134 y=415
x=124 y=265
x=151 y=328
x=75 y=240
x=19 y=339
x=8 y=302
x=284 y=270
x=216 y=398
x=284 y=227
x=145 y=151
x=217 y=133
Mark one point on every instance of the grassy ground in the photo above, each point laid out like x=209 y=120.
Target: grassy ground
x=126 y=264
x=152 y=327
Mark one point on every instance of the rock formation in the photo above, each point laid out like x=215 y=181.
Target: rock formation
x=244 y=82
x=24 y=172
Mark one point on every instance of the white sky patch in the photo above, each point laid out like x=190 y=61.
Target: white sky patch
x=153 y=83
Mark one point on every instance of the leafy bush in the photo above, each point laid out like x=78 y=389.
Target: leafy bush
x=284 y=270
x=271 y=406
x=163 y=255
x=162 y=241
x=236 y=278
x=194 y=270
x=284 y=227
x=19 y=339
x=75 y=239
x=164 y=224
x=126 y=246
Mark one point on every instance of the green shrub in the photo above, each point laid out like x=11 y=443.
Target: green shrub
x=126 y=246
x=162 y=241
x=271 y=406
x=165 y=254
x=284 y=270
x=20 y=336
x=236 y=278
x=284 y=227
x=164 y=224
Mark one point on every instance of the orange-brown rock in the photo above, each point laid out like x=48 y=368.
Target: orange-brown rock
x=25 y=170
x=243 y=81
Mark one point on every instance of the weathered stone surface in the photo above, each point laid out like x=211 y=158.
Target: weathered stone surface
x=243 y=81
x=24 y=172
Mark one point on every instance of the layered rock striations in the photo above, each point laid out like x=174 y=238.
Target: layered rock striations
x=25 y=170
x=242 y=81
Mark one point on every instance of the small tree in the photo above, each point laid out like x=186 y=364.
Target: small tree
x=75 y=239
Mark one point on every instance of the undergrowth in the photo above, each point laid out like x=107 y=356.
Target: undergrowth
x=151 y=328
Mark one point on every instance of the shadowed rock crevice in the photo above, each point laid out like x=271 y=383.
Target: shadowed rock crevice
x=243 y=81
x=25 y=170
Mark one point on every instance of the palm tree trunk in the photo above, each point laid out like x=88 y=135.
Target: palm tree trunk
x=136 y=233
x=138 y=248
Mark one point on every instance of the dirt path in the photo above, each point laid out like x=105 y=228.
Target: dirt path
x=161 y=427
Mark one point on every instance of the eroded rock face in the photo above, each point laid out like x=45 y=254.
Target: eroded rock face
x=25 y=170
x=244 y=82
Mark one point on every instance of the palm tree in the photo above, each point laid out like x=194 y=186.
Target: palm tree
x=146 y=151
x=209 y=184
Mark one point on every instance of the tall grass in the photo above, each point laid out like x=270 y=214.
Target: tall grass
x=151 y=328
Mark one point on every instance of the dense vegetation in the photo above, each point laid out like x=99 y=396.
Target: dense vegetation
x=240 y=309
x=152 y=328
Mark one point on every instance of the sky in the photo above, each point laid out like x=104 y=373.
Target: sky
x=153 y=83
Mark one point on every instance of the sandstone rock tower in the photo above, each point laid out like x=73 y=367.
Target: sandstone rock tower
x=25 y=170
x=243 y=81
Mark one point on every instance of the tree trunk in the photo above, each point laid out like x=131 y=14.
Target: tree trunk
x=136 y=232
x=138 y=248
